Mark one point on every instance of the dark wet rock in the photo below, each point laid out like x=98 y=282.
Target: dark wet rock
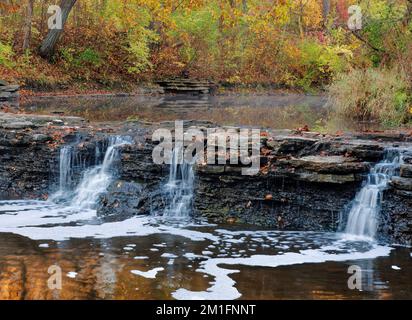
x=406 y=171
x=401 y=183
x=282 y=145
x=122 y=200
x=407 y=157
x=306 y=181
x=293 y=205
x=396 y=217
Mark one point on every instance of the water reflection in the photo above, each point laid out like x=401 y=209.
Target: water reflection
x=277 y=111
x=104 y=271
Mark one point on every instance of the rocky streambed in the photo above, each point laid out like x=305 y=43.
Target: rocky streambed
x=307 y=181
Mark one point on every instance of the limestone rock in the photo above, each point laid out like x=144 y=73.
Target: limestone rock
x=401 y=183
x=327 y=178
x=327 y=164
x=289 y=144
x=17 y=125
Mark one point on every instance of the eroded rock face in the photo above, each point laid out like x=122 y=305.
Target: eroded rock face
x=29 y=148
x=396 y=217
x=306 y=181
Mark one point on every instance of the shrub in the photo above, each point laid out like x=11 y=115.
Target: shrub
x=6 y=54
x=320 y=63
x=374 y=94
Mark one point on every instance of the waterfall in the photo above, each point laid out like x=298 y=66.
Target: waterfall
x=178 y=191
x=364 y=214
x=95 y=179
x=65 y=168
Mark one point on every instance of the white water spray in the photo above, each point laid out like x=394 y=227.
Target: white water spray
x=94 y=181
x=178 y=192
x=364 y=215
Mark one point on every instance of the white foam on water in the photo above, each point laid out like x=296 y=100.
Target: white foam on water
x=223 y=287
x=141 y=257
x=72 y=274
x=43 y=221
x=32 y=223
x=151 y=274
x=396 y=268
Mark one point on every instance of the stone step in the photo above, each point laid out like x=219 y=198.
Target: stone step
x=10 y=88
x=186 y=86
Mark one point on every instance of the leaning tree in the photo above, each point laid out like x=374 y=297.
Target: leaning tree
x=49 y=43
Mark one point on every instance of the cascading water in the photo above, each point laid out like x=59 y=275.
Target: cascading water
x=65 y=168
x=70 y=162
x=94 y=181
x=364 y=214
x=178 y=192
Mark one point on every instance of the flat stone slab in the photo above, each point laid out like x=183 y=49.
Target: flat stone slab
x=327 y=164
x=17 y=125
x=327 y=178
x=20 y=121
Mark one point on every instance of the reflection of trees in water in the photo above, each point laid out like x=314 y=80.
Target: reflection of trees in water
x=268 y=111
x=103 y=270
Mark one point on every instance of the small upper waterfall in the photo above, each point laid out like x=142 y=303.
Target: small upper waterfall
x=178 y=192
x=364 y=214
x=94 y=180
x=65 y=167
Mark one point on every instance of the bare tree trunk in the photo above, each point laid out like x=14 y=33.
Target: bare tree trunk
x=49 y=43
x=27 y=25
x=325 y=11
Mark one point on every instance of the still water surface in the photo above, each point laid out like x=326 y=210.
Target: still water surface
x=289 y=111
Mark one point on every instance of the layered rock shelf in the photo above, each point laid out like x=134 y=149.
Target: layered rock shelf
x=8 y=91
x=307 y=181
x=187 y=86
